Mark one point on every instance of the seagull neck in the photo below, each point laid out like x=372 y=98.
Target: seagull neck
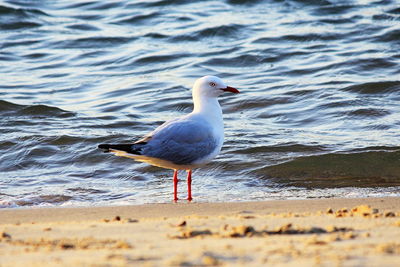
x=207 y=105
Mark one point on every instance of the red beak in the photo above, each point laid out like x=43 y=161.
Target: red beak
x=230 y=89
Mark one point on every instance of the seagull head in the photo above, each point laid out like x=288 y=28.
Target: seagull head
x=211 y=86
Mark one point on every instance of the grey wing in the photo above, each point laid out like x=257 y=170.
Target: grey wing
x=181 y=142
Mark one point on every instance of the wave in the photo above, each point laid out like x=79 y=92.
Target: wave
x=42 y=200
x=222 y=32
x=92 y=42
x=284 y=148
x=10 y=109
x=138 y=18
x=13 y=18
x=359 y=169
x=374 y=87
x=23 y=12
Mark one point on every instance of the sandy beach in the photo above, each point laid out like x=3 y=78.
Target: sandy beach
x=318 y=232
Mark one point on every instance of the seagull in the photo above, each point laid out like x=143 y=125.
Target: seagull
x=186 y=142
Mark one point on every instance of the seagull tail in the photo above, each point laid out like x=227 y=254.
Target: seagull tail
x=128 y=148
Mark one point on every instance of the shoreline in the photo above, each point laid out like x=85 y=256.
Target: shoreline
x=332 y=231
x=69 y=214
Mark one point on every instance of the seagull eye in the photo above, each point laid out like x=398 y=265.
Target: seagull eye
x=212 y=84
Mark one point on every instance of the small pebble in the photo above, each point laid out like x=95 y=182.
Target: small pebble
x=329 y=211
x=181 y=224
x=5 y=235
x=390 y=214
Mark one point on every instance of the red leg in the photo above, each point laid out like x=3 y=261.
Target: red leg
x=175 y=185
x=189 y=184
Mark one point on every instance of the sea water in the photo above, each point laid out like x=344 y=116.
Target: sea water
x=318 y=114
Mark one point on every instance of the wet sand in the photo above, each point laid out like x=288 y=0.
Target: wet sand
x=319 y=232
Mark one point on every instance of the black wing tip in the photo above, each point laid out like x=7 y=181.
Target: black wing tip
x=121 y=147
x=105 y=147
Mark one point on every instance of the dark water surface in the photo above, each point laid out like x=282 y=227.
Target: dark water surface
x=319 y=113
